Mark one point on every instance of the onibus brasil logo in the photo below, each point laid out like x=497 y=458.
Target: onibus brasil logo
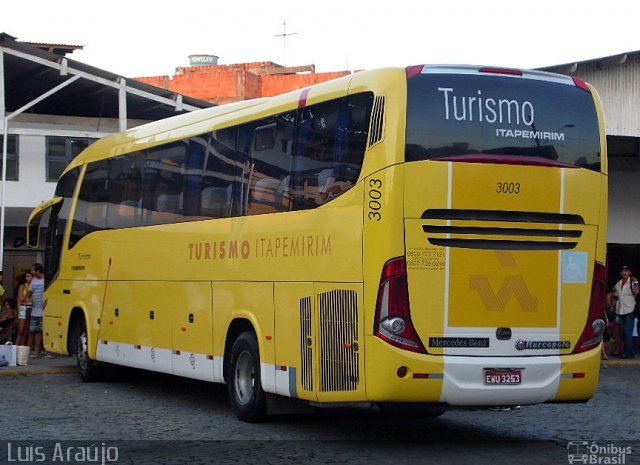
x=590 y=452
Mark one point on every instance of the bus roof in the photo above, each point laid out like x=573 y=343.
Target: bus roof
x=201 y=121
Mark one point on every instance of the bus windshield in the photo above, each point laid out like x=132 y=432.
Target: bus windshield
x=475 y=116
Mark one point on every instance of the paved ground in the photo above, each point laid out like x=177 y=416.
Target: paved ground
x=152 y=418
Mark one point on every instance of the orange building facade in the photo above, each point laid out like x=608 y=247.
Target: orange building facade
x=222 y=84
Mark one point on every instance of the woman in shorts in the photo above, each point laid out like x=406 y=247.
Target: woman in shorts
x=25 y=302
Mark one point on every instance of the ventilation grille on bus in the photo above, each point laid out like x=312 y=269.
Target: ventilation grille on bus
x=339 y=356
x=306 y=343
x=376 y=129
x=484 y=237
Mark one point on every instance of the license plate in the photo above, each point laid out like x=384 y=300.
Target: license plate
x=502 y=377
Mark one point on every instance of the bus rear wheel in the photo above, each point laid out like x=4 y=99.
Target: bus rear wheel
x=248 y=400
x=90 y=370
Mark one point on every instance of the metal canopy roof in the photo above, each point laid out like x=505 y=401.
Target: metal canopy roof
x=30 y=72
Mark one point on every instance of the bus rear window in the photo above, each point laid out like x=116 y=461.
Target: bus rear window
x=462 y=114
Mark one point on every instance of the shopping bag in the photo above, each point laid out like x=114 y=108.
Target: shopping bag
x=22 y=355
x=8 y=353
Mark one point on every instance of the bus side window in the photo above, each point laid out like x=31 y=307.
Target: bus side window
x=220 y=169
x=267 y=161
x=93 y=199
x=124 y=208
x=163 y=183
x=331 y=141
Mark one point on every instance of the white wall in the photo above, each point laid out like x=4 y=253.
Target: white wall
x=617 y=81
x=32 y=189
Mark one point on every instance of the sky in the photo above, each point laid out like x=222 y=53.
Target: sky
x=137 y=38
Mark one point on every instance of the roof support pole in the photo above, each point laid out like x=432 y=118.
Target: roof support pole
x=5 y=137
x=122 y=104
x=2 y=96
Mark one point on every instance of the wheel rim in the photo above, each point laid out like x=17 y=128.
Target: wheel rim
x=83 y=358
x=245 y=378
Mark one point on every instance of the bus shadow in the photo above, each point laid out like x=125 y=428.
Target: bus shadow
x=353 y=423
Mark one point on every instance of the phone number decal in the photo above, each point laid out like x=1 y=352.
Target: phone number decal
x=426 y=258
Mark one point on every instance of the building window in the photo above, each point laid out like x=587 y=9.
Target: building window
x=60 y=152
x=12 y=157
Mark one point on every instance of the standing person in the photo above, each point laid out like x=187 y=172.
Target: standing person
x=626 y=291
x=37 y=312
x=25 y=304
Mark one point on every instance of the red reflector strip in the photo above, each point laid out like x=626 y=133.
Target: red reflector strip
x=578 y=375
x=138 y=347
x=414 y=70
x=428 y=375
x=209 y=357
x=176 y=352
x=302 y=101
x=581 y=84
x=510 y=72
x=282 y=368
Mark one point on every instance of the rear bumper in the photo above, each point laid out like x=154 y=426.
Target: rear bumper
x=459 y=380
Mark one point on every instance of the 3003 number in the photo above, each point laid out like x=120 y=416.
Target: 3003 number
x=508 y=188
x=375 y=197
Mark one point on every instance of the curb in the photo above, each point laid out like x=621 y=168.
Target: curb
x=52 y=371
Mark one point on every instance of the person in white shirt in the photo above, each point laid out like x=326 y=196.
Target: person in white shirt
x=37 y=311
x=626 y=291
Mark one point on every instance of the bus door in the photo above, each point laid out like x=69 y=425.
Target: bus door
x=136 y=324
x=192 y=330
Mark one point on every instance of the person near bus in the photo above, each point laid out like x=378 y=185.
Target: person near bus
x=25 y=304
x=626 y=292
x=35 y=325
x=614 y=345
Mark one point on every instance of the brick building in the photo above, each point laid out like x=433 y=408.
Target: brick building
x=222 y=84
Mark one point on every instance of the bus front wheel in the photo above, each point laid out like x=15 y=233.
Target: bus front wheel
x=248 y=400
x=90 y=370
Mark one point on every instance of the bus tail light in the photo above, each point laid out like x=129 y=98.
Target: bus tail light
x=393 y=314
x=593 y=329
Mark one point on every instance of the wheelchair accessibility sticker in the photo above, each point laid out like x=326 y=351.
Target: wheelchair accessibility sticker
x=574 y=267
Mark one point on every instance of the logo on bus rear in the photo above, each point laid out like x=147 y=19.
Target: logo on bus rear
x=542 y=345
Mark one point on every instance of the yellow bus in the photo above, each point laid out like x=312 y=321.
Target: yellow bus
x=431 y=235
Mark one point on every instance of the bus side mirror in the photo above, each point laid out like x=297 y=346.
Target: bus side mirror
x=33 y=235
